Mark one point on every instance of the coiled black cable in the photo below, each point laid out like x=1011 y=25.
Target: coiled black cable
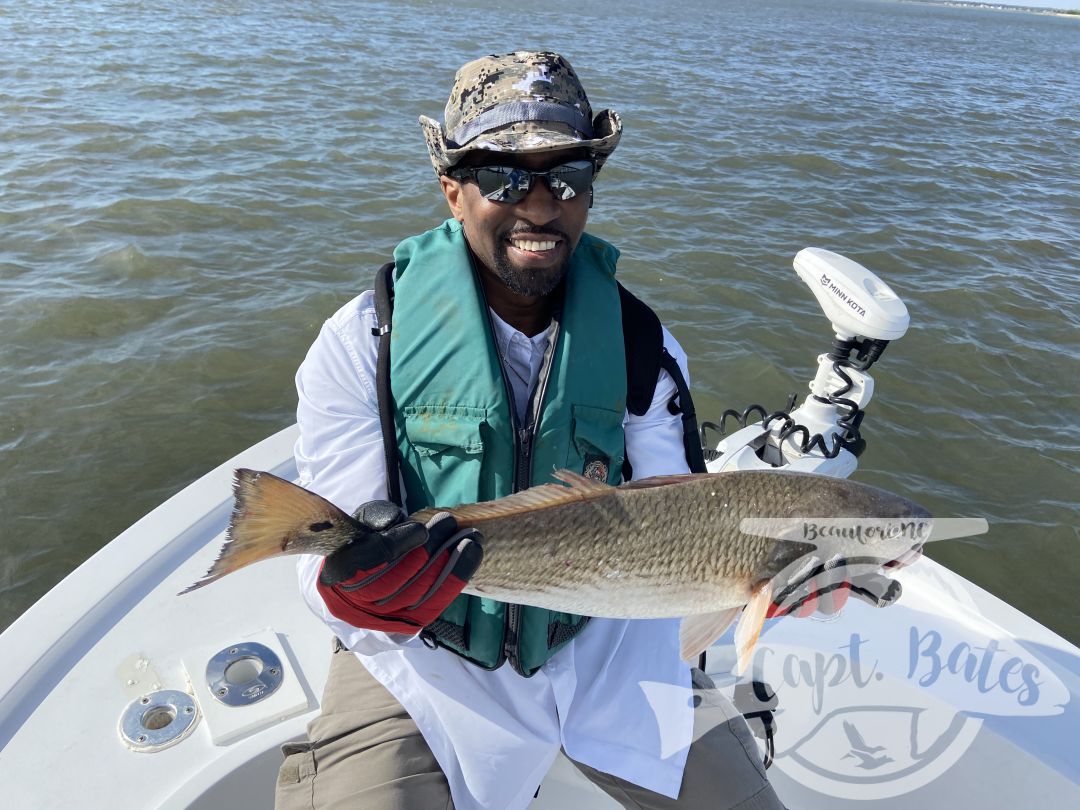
x=867 y=352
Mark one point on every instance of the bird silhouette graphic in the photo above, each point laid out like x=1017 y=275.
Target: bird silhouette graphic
x=863 y=752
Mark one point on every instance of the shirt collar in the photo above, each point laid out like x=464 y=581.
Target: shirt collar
x=505 y=333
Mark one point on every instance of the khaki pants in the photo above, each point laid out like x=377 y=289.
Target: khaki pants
x=364 y=751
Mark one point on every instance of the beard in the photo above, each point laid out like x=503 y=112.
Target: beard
x=538 y=283
x=530 y=282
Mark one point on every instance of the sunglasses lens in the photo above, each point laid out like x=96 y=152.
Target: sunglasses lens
x=507 y=184
x=570 y=179
x=503 y=183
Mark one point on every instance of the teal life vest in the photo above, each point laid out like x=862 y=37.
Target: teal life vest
x=458 y=440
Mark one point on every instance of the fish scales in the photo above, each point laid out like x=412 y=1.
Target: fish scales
x=667 y=550
x=663 y=547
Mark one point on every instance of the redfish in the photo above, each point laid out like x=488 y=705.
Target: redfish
x=663 y=547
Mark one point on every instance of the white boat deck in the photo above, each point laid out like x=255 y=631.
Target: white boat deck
x=950 y=698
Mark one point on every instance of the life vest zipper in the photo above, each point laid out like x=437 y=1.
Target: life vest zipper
x=524 y=437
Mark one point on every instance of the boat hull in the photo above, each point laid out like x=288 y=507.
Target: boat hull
x=961 y=695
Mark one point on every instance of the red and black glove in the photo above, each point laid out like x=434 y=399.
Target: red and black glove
x=824 y=587
x=402 y=574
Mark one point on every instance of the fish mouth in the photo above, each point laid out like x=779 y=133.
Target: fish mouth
x=906 y=559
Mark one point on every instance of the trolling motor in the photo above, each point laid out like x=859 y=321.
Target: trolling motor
x=822 y=434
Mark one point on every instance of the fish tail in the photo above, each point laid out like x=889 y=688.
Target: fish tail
x=272 y=517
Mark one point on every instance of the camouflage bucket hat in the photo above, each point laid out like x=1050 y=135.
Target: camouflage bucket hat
x=520 y=102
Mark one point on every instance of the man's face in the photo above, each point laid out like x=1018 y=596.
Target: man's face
x=526 y=245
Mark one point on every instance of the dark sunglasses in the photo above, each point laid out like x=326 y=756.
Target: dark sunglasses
x=510 y=184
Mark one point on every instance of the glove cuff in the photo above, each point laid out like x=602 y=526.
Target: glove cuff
x=342 y=605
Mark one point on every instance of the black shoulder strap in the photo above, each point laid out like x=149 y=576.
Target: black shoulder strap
x=695 y=457
x=384 y=310
x=643 y=340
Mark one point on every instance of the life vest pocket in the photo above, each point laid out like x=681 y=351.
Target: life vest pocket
x=445 y=446
x=594 y=432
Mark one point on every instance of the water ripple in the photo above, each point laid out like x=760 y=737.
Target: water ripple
x=189 y=189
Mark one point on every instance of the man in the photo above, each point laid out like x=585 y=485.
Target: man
x=506 y=361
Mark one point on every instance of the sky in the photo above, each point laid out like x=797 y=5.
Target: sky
x=1068 y=5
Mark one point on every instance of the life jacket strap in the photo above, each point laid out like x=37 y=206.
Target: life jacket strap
x=384 y=309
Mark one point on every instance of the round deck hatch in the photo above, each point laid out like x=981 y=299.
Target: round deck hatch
x=244 y=674
x=157 y=720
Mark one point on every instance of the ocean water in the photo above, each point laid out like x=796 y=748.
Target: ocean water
x=189 y=189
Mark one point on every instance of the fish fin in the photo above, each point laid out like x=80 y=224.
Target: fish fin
x=665 y=480
x=270 y=517
x=697 y=632
x=579 y=488
x=749 y=628
x=580 y=482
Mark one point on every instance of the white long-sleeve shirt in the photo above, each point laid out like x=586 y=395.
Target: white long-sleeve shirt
x=616 y=698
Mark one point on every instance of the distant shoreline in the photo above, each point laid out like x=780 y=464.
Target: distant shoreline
x=1045 y=12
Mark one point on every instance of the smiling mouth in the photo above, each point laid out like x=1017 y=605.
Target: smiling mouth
x=534 y=245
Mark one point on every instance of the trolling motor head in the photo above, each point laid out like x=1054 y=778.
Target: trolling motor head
x=865 y=315
x=822 y=434
x=856 y=302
